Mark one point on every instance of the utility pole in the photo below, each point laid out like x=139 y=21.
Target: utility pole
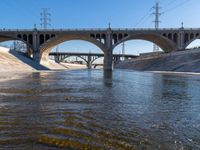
x=45 y=18
x=157 y=14
x=123 y=51
x=109 y=25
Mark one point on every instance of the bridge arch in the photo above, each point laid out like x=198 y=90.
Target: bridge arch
x=170 y=36
x=191 y=35
x=134 y=47
x=83 y=58
x=24 y=38
x=30 y=39
x=47 y=46
x=47 y=37
x=64 y=38
x=92 y=62
x=191 y=40
x=75 y=56
x=162 y=41
x=41 y=39
x=175 y=37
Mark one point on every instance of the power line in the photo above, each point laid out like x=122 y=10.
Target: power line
x=178 y=5
x=45 y=18
x=169 y=3
x=142 y=19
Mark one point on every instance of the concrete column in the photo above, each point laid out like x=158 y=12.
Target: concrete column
x=108 y=60
x=36 y=57
x=116 y=60
x=89 y=65
x=36 y=52
x=56 y=58
x=89 y=62
x=181 y=40
x=108 y=53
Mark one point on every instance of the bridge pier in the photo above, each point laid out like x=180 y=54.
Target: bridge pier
x=116 y=59
x=56 y=58
x=36 y=57
x=108 y=60
x=89 y=65
x=89 y=62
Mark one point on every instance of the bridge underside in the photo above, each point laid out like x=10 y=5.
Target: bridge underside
x=165 y=44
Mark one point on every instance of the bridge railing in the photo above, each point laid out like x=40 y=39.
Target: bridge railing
x=50 y=30
x=98 y=29
x=152 y=29
x=14 y=30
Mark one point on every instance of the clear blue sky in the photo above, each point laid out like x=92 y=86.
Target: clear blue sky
x=97 y=14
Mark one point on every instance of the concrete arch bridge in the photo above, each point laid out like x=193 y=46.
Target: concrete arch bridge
x=88 y=58
x=40 y=42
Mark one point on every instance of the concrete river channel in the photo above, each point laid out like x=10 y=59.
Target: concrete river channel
x=92 y=109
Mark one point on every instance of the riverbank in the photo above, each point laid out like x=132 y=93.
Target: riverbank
x=9 y=63
x=13 y=62
x=14 y=66
x=182 y=61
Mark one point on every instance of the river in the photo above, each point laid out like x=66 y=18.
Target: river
x=89 y=109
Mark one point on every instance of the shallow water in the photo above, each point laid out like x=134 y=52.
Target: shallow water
x=95 y=110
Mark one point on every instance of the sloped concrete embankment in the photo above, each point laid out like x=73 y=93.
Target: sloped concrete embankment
x=9 y=63
x=183 y=61
x=12 y=61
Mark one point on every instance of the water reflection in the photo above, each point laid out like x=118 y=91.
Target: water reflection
x=100 y=110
